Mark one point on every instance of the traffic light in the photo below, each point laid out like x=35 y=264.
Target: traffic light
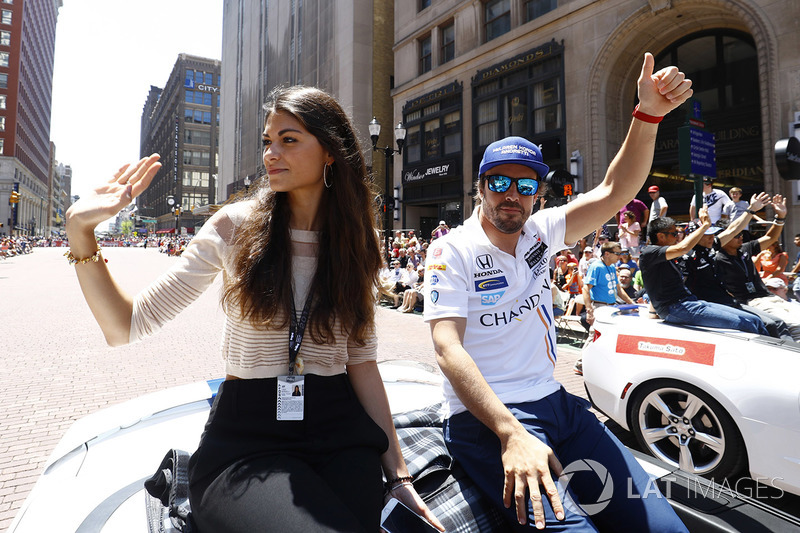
x=14 y=199
x=177 y=211
x=561 y=182
x=1 y=224
x=388 y=203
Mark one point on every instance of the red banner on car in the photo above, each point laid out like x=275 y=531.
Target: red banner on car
x=692 y=352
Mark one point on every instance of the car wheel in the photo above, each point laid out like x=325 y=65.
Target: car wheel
x=685 y=427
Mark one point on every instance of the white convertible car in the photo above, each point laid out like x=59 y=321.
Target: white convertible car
x=94 y=479
x=712 y=402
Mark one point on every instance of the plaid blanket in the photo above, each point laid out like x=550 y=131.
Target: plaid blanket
x=440 y=481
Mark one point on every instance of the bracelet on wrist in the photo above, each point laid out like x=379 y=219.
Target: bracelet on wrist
x=398 y=481
x=644 y=117
x=94 y=258
x=403 y=484
x=748 y=210
x=776 y=217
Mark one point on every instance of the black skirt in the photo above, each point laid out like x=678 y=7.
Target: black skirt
x=242 y=428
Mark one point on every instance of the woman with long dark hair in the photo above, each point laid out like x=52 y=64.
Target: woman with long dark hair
x=299 y=259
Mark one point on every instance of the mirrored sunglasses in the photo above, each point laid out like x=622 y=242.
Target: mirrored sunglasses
x=525 y=186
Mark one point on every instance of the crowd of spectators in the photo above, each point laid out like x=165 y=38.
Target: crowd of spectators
x=402 y=278
x=736 y=261
x=13 y=246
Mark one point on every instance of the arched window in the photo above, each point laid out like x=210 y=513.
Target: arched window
x=723 y=67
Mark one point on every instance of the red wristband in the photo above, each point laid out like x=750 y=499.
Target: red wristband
x=644 y=117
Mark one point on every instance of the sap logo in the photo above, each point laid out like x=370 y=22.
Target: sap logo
x=487 y=273
x=484 y=262
x=433 y=279
x=434 y=296
x=491 y=299
x=491 y=284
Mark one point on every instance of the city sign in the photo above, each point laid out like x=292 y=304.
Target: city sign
x=697 y=152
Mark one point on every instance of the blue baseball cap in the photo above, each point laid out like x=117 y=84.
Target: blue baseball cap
x=513 y=150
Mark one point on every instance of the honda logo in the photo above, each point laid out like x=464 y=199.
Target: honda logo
x=484 y=261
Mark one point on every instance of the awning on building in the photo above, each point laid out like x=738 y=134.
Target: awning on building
x=170 y=230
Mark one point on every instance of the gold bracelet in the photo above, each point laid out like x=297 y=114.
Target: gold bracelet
x=94 y=258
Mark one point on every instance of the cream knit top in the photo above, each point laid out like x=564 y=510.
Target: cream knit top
x=248 y=352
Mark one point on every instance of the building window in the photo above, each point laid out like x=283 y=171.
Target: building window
x=2 y=123
x=412 y=144
x=497 y=14
x=432 y=139
x=723 y=67
x=425 y=55
x=2 y=101
x=423 y=4
x=5 y=17
x=448 y=39
x=515 y=112
x=523 y=96
x=2 y=143
x=191 y=201
x=537 y=8
x=197 y=137
x=546 y=106
x=196 y=157
x=195 y=178
x=434 y=130
x=4 y=56
x=3 y=81
x=487 y=122
x=5 y=38
x=8 y=1
x=452 y=132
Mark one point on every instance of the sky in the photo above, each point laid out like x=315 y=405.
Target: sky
x=108 y=53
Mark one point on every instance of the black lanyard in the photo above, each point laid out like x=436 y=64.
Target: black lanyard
x=296 y=331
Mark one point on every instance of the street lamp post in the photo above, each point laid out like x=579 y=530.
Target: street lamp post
x=176 y=208
x=388 y=152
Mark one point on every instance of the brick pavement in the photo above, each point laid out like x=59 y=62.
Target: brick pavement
x=56 y=368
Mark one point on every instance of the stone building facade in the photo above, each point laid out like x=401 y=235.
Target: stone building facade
x=563 y=73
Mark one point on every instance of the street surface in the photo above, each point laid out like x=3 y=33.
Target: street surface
x=56 y=367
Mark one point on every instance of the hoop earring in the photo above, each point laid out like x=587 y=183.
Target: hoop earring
x=325 y=176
